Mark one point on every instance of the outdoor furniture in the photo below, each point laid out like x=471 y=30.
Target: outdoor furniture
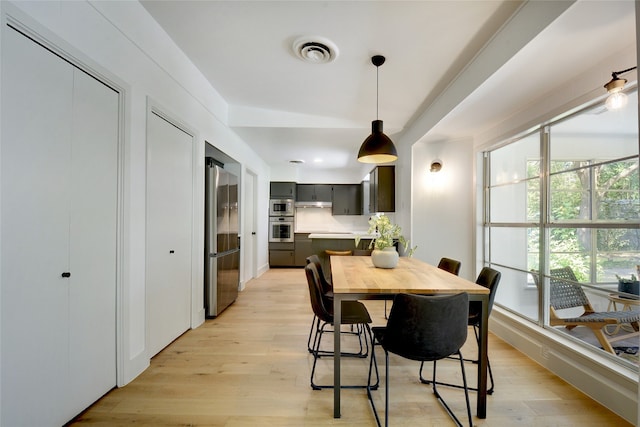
x=566 y=292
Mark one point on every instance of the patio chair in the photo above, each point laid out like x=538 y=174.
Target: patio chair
x=566 y=293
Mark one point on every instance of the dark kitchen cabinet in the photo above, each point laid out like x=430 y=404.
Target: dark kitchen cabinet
x=347 y=199
x=282 y=190
x=382 y=189
x=303 y=249
x=313 y=193
x=282 y=254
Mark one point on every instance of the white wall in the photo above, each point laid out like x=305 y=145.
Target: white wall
x=122 y=42
x=442 y=210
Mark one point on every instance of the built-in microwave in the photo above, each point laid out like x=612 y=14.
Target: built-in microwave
x=281 y=229
x=281 y=207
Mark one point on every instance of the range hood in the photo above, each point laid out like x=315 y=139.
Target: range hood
x=313 y=204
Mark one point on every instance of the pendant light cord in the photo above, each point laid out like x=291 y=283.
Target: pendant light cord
x=377 y=90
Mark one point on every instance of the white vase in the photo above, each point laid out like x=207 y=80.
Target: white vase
x=385 y=258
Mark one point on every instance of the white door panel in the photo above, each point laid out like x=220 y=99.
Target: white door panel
x=169 y=230
x=93 y=240
x=36 y=98
x=58 y=337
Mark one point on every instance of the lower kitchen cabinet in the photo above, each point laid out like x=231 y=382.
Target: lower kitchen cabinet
x=303 y=249
x=281 y=254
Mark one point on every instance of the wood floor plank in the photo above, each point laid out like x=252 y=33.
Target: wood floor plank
x=250 y=367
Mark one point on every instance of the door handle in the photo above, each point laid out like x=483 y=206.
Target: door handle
x=66 y=274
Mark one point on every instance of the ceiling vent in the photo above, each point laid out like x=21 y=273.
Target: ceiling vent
x=316 y=50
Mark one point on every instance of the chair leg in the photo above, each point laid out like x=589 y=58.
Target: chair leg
x=476 y=330
x=317 y=353
x=373 y=363
x=476 y=361
x=315 y=323
x=466 y=393
x=604 y=342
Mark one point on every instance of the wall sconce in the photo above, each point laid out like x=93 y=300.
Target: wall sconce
x=617 y=98
x=436 y=165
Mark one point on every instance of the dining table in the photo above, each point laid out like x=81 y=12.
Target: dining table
x=356 y=278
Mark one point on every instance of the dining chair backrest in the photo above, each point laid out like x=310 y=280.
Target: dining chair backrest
x=489 y=278
x=426 y=327
x=315 y=260
x=319 y=304
x=450 y=265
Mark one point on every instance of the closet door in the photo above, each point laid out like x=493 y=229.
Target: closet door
x=92 y=233
x=58 y=201
x=169 y=231
x=36 y=102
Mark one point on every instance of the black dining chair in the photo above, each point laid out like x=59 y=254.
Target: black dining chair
x=423 y=328
x=446 y=264
x=327 y=290
x=353 y=313
x=489 y=278
x=450 y=265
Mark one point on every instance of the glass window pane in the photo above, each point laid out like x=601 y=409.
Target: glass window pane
x=509 y=246
x=618 y=253
x=571 y=247
x=596 y=134
x=617 y=195
x=516 y=161
x=570 y=195
x=509 y=203
x=517 y=292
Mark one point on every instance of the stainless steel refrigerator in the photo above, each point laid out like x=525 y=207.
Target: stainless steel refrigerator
x=222 y=244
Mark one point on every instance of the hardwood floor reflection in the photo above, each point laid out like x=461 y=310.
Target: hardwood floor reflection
x=250 y=367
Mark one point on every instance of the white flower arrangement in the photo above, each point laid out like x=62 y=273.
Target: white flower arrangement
x=386 y=233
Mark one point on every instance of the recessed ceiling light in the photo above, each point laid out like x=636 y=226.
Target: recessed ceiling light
x=317 y=160
x=317 y=50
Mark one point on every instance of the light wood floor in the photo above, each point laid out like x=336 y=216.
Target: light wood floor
x=250 y=367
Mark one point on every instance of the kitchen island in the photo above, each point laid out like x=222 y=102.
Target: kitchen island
x=321 y=242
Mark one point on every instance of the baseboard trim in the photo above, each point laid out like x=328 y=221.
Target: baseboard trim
x=610 y=384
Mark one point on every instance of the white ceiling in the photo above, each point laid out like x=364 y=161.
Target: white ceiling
x=453 y=69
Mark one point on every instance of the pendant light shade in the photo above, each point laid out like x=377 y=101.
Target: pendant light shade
x=378 y=147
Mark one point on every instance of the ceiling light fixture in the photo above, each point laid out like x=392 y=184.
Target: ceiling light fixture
x=378 y=147
x=436 y=165
x=617 y=98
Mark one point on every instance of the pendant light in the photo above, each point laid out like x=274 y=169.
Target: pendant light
x=378 y=147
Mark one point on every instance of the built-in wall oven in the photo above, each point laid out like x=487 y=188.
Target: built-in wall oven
x=281 y=229
x=281 y=207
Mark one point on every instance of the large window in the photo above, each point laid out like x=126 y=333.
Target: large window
x=565 y=195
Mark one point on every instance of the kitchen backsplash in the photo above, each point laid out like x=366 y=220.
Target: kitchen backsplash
x=320 y=220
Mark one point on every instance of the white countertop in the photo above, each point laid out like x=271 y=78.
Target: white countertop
x=340 y=236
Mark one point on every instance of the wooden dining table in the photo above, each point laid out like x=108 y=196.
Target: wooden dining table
x=355 y=278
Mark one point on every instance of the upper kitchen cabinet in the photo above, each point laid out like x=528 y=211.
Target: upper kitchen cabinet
x=282 y=190
x=347 y=199
x=382 y=189
x=313 y=193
